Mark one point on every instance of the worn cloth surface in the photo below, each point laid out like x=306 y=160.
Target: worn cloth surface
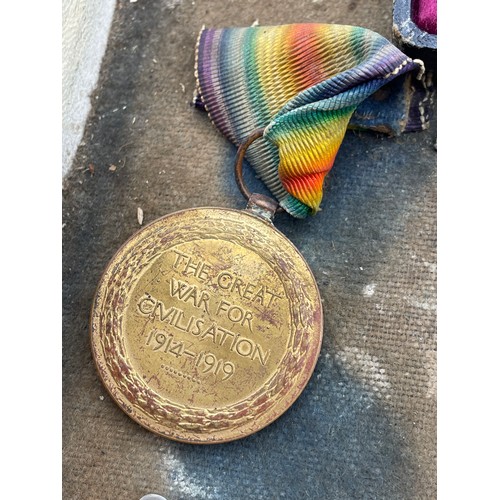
x=365 y=426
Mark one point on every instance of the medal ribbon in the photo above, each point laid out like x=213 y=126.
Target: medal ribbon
x=305 y=83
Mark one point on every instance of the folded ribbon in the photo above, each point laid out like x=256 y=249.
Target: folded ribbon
x=305 y=83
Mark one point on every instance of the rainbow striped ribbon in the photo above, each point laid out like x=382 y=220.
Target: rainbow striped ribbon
x=305 y=83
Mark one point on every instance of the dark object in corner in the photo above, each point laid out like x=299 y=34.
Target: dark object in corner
x=414 y=29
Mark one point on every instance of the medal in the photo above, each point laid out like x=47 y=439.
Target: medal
x=207 y=324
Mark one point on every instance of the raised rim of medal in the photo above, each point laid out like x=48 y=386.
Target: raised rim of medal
x=261 y=420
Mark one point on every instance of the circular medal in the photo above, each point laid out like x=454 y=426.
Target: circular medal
x=206 y=325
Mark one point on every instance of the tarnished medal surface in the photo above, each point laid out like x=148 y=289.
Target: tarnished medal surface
x=206 y=325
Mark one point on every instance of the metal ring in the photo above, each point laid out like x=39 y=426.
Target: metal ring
x=238 y=166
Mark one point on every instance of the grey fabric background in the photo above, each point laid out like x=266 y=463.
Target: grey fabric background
x=365 y=427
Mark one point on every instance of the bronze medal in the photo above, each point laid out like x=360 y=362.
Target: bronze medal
x=207 y=324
